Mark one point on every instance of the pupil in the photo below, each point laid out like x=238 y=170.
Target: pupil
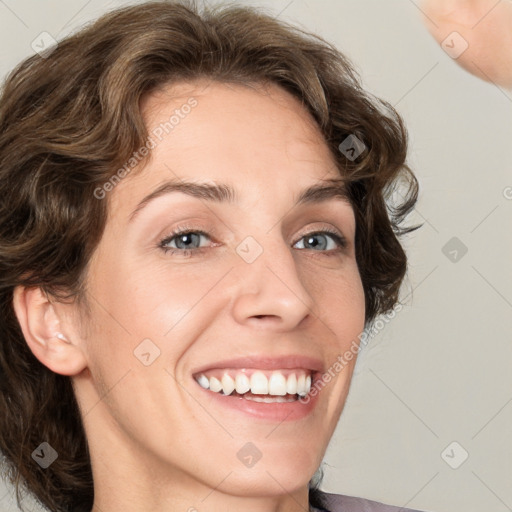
x=186 y=240
x=313 y=241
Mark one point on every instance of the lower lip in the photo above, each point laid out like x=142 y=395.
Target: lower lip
x=275 y=412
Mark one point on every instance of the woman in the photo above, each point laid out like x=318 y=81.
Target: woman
x=194 y=236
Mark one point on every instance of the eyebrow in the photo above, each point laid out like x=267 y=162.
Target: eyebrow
x=221 y=193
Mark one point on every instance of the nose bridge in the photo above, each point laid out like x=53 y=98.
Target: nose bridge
x=270 y=284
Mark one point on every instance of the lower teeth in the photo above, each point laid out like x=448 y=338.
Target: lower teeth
x=268 y=399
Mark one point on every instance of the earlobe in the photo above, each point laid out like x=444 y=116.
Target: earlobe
x=41 y=327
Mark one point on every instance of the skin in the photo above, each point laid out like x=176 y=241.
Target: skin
x=486 y=25
x=157 y=442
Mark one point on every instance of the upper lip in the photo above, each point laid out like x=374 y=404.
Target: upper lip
x=266 y=363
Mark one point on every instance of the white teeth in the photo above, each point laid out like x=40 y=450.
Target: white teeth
x=215 y=384
x=301 y=385
x=277 y=384
x=242 y=383
x=269 y=399
x=228 y=384
x=203 y=381
x=259 y=384
x=291 y=384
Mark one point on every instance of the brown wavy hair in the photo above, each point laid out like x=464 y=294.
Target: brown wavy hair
x=71 y=118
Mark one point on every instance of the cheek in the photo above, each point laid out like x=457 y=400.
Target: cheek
x=163 y=298
x=168 y=305
x=340 y=300
x=145 y=296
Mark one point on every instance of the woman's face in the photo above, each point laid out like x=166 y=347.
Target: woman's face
x=248 y=291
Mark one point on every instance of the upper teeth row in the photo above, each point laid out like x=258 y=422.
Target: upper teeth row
x=258 y=384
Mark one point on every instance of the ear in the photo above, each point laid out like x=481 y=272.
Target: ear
x=40 y=323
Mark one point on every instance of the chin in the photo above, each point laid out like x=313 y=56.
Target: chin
x=267 y=481
x=269 y=468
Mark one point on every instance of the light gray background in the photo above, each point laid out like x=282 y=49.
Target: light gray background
x=438 y=372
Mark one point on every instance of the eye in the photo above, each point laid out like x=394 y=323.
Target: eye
x=323 y=241
x=183 y=241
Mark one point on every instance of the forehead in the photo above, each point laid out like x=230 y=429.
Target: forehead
x=255 y=137
x=248 y=117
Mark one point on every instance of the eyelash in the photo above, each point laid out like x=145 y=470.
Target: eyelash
x=185 y=230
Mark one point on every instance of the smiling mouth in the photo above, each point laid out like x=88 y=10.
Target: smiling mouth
x=258 y=385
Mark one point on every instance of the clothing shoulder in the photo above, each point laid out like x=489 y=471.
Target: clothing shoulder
x=342 y=503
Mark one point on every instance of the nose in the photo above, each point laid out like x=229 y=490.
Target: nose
x=271 y=292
